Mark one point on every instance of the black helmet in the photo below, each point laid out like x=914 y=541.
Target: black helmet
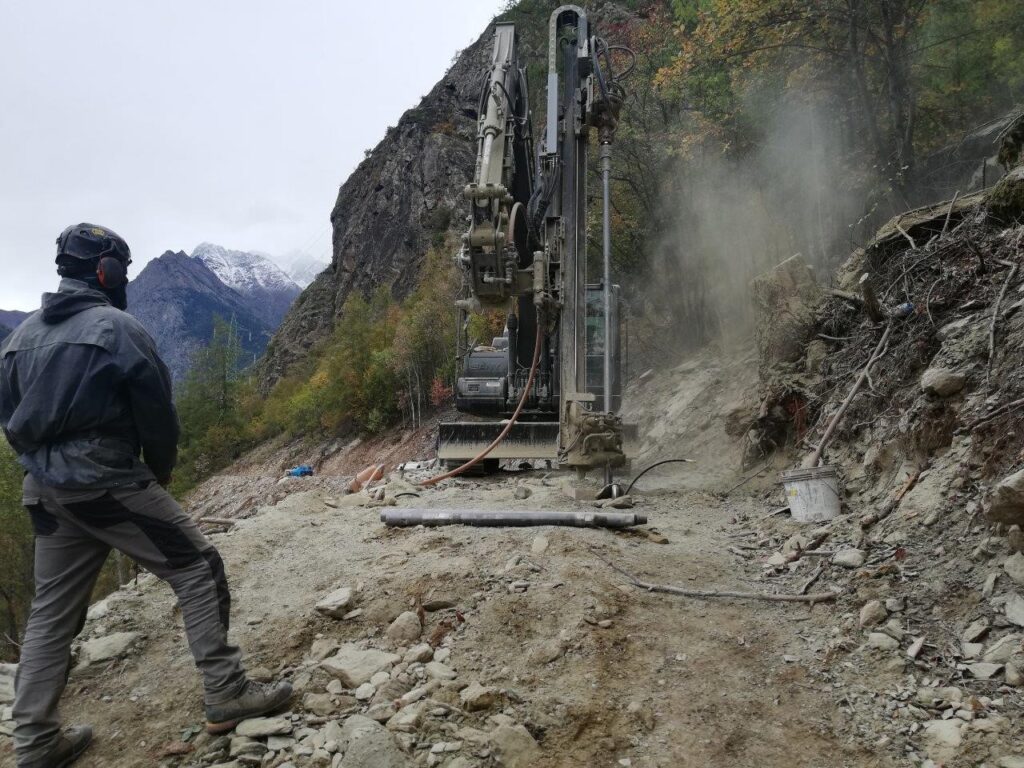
x=87 y=242
x=86 y=248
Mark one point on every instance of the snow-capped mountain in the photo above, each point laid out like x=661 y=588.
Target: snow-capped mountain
x=267 y=288
x=177 y=299
x=301 y=267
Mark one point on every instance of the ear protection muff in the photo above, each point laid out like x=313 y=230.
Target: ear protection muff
x=112 y=273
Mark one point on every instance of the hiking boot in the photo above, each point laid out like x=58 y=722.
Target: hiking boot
x=67 y=748
x=255 y=699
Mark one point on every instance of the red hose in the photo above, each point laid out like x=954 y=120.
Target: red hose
x=512 y=420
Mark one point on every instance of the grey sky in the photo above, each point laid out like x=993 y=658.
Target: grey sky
x=223 y=120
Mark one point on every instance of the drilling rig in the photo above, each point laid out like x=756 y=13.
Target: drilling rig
x=550 y=386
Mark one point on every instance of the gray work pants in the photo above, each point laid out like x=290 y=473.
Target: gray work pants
x=74 y=533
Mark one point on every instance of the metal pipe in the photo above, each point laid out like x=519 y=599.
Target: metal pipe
x=606 y=172
x=501 y=519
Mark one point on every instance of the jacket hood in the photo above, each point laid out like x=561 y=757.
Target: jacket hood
x=72 y=297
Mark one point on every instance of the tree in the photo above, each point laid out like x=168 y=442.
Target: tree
x=16 y=547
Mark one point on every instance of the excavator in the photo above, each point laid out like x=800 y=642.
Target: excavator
x=549 y=387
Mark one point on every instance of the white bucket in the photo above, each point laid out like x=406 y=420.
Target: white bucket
x=813 y=494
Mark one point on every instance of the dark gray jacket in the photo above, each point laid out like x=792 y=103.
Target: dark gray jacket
x=83 y=393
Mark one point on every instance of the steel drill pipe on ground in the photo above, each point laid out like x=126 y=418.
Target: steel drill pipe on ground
x=436 y=517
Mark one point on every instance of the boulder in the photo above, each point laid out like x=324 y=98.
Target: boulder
x=367 y=744
x=336 y=604
x=354 y=666
x=1007 y=503
x=942 y=382
x=883 y=641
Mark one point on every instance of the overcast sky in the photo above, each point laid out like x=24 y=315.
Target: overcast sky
x=231 y=121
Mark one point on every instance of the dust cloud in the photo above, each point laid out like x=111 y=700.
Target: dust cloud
x=730 y=215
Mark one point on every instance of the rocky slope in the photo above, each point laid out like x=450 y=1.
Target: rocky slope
x=269 y=291
x=177 y=299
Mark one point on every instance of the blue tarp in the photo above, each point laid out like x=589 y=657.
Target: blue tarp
x=303 y=470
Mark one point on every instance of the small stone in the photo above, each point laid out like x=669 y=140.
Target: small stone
x=620 y=502
x=1014 y=676
x=540 y=544
x=546 y=651
x=1007 y=503
x=336 y=604
x=942 y=382
x=442 y=654
x=983 y=670
x=405 y=629
x=896 y=604
x=894 y=629
x=972 y=650
x=1011 y=761
x=521 y=492
x=365 y=692
x=476 y=697
x=318 y=703
x=419 y=654
x=407 y=719
x=942 y=738
x=322 y=648
x=873 y=612
x=796 y=543
x=915 y=648
x=990 y=585
x=355 y=666
x=335 y=687
x=380 y=678
x=368 y=744
x=1015 y=609
x=849 y=558
x=975 y=631
x=1002 y=650
x=882 y=641
x=279 y=743
x=776 y=560
x=1014 y=567
x=259 y=727
x=438 y=671
x=382 y=712
x=514 y=747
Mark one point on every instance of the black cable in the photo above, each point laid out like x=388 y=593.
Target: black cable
x=656 y=464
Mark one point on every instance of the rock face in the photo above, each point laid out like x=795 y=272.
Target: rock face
x=406 y=193
x=177 y=298
x=1008 y=501
x=106 y=648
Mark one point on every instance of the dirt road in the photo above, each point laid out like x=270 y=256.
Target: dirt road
x=600 y=673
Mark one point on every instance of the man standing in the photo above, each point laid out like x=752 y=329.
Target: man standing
x=86 y=403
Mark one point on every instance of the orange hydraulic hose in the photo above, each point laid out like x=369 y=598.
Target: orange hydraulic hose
x=522 y=401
